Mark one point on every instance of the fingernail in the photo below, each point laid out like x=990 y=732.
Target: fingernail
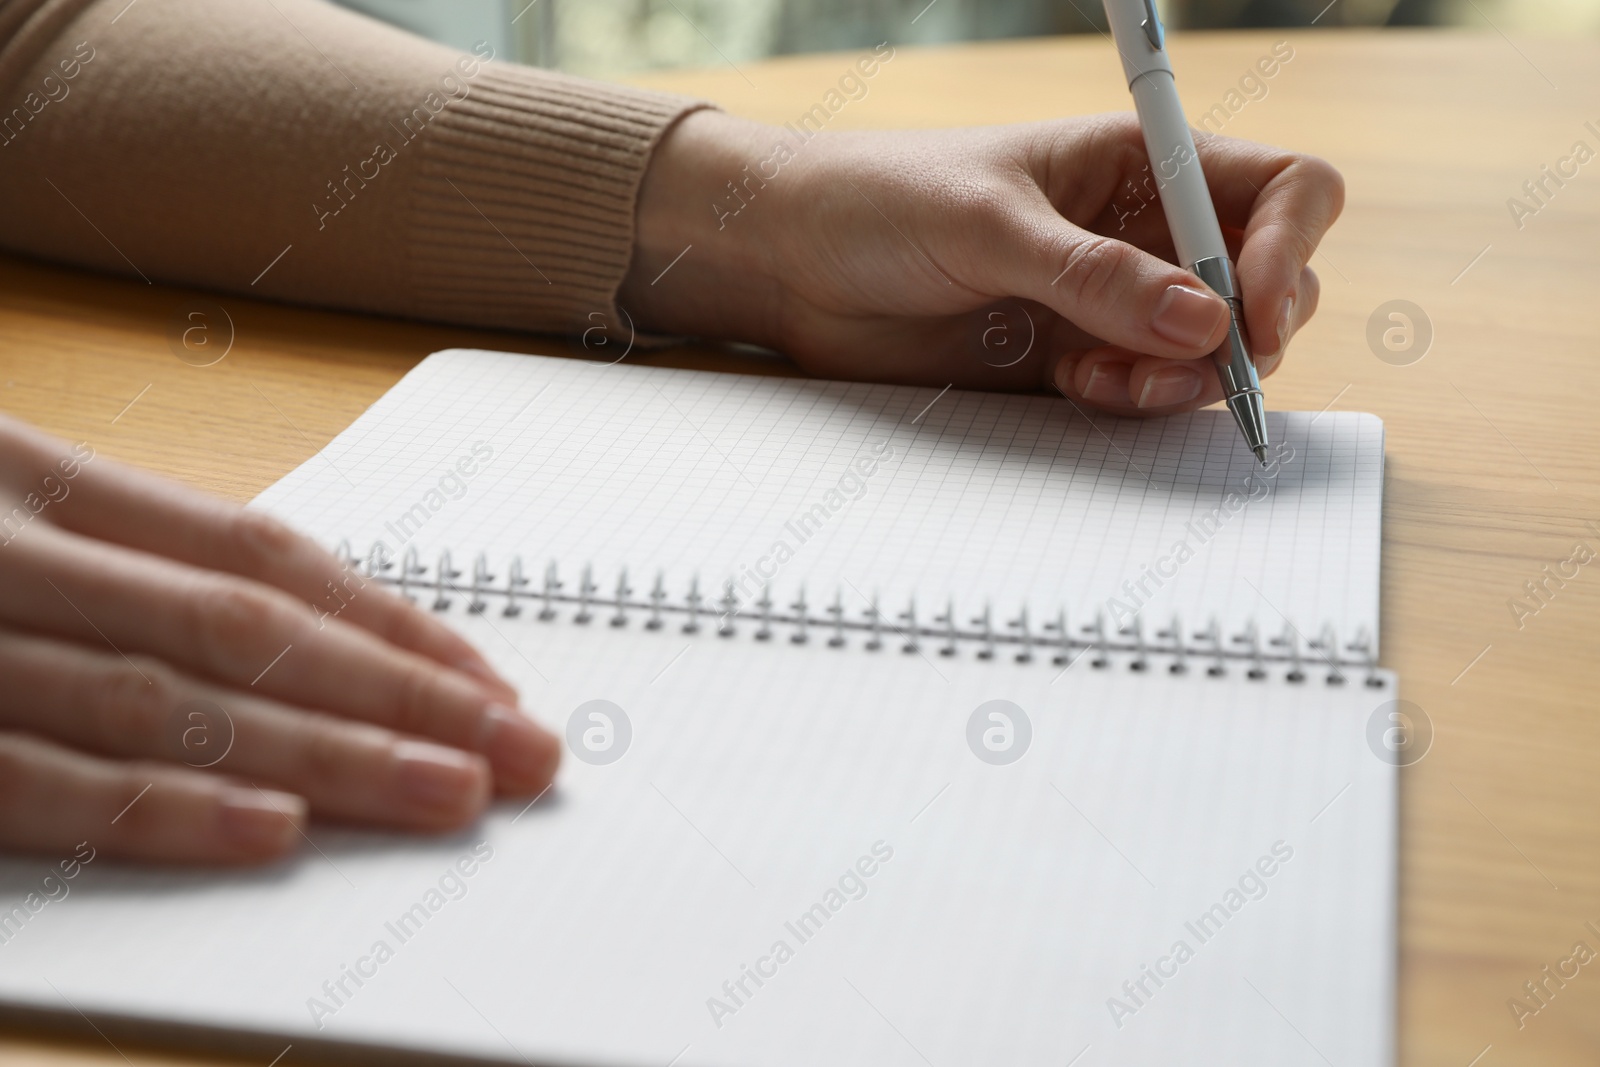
x=1188 y=316
x=523 y=754
x=435 y=776
x=1062 y=376
x=1170 y=385
x=1107 y=382
x=1285 y=316
x=265 y=821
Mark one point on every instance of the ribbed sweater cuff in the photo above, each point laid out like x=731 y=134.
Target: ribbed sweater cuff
x=523 y=216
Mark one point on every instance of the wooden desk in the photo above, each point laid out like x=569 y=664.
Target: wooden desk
x=1492 y=440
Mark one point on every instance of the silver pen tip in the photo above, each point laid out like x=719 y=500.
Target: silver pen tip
x=1261 y=454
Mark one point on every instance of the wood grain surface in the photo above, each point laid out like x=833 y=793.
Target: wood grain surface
x=1492 y=446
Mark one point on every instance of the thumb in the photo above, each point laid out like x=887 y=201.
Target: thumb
x=1111 y=289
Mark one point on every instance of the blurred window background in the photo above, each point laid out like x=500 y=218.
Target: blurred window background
x=613 y=38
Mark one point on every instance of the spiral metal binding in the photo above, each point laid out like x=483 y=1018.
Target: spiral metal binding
x=801 y=616
x=1213 y=633
x=1141 y=659
x=1054 y=641
x=949 y=620
x=1251 y=639
x=765 y=604
x=987 y=635
x=1064 y=657
x=1180 y=651
x=514 y=584
x=694 y=601
x=658 y=597
x=552 y=588
x=1291 y=638
x=482 y=581
x=444 y=579
x=911 y=631
x=586 y=591
x=1101 y=660
x=875 y=621
x=730 y=609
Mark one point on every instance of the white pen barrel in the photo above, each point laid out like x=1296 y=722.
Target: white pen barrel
x=1186 y=199
x=1184 y=195
x=1141 y=42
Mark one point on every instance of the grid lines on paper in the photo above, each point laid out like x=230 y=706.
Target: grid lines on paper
x=986 y=499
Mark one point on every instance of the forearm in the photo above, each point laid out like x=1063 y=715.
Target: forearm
x=300 y=152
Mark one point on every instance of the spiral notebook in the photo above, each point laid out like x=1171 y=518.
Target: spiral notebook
x=905 y=726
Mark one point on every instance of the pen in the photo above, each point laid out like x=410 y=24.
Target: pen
x=1136 y=29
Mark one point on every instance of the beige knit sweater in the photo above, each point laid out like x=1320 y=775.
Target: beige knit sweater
x=294 y=150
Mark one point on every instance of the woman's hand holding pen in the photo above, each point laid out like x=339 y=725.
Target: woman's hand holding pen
x=935 y=257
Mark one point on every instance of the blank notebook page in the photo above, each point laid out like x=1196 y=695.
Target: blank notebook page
x=855 y=491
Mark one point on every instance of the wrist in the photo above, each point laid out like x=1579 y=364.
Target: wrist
x=702 y=265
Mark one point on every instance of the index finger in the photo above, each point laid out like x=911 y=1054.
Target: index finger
x=250 y=636
x=135 y=509
x=1284 y=202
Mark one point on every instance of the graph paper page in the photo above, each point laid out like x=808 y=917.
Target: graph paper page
x=1168 y=862
x=858 y=491
x=1234 y=838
